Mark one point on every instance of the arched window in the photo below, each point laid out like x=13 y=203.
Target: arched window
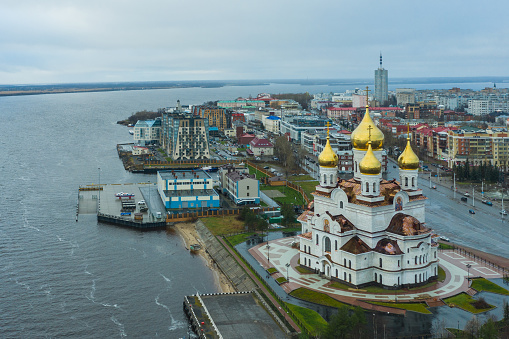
x=331 y=179
x=336 y=245
x=336 y=272
x=344 y=276
x=344 y=262
x=367 y=187
x=435 y=255
x=317 y=243
x=398 y=266
x=398 y=281
x=406 y=182
x=340 y=204
x=380 y=262
x=376 y=277
x=349 y=277
x=304 y=248
x=415 y=256
x=420 y=259
x=327 y=247
x=349 y=264
x=355 y=171
x=374 y=187
x=380 y=279
x=325 y=178
x=416 y=278
x=413 y=182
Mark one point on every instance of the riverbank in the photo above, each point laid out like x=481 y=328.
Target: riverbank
x=190 y=236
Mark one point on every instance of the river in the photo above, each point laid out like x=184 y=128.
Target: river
x=60 y=277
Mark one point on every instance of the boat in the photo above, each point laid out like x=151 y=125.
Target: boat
x=131 y=132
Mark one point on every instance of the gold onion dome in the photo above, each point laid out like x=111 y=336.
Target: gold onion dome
x=360 y=136
x=328 y=158
x=408 y=160
x=370 y=164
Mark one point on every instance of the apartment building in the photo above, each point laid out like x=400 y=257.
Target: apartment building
x=216 y=116
x=184 y=136
x=147 y=132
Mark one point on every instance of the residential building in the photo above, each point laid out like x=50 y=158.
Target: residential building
x=272 y=124
x=294 y=126
x=184 y=136
x=259 y=147
x=147 y=132
x=184 y=189
x=405 y=96
x=216 y=116
x=239 y=185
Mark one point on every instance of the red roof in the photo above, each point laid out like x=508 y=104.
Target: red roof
x=341 y=109
x=257 y=142
x=344 y=131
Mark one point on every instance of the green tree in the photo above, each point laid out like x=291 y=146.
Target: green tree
x=347 y=323
x=288 y=213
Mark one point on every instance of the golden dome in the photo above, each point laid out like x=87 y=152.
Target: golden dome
x=370 y=164
x=408 y=160
x=328 y=158
x=360 y=136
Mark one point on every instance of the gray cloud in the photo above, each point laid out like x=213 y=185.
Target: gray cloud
x=72 y=41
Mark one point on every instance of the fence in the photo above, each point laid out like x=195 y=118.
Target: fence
x=173 y=217
x=460 y=250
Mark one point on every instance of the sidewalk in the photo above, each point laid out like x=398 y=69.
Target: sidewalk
x=453 y=263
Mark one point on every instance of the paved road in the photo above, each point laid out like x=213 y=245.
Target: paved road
x=485 y=230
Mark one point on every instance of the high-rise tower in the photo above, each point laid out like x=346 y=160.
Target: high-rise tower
x=381 y=84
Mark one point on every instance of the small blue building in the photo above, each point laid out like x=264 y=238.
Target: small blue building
x=187 y=189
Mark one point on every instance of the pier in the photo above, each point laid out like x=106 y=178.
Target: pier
x=124 y=210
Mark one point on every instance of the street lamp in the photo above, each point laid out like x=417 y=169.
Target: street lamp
x=287 y=266
x=468 y=271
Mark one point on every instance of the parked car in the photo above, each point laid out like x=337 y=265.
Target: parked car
x=464 y=199
x=444 y=238
x=141 y=202
x=466 y=194
x=434 y=187
x=471 y=211
x=503 y=212
x=489 y=203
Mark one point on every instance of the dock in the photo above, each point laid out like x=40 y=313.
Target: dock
x=126 y=210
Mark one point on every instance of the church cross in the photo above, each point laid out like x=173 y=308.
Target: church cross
x=367 y=93
x=369 y=132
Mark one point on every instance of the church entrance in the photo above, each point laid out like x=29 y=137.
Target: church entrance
x=326 y=268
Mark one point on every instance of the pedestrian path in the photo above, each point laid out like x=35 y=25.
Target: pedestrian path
x=279 y=252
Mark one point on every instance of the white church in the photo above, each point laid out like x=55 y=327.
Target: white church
x=367 y=230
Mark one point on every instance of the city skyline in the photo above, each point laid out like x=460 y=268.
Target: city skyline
x=96 y=41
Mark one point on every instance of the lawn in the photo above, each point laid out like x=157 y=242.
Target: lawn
x=482 y=284
x=415 y=307
x=311 y=320
x=272 y=270
x=308 y=187
x=316 y=297
x=443 y=246
x=223 y=225
x=281 y=280
x=257 y=173
x=292 y=197
x=302 y=270
x=464 y=301
x=239 y=238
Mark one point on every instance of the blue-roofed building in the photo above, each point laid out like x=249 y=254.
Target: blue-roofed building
x=147 y=132
x=272 y=123
x=187 y=189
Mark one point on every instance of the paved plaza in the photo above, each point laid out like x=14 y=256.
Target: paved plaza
x=280 y=253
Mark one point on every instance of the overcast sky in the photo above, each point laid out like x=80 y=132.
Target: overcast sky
x=52 y=41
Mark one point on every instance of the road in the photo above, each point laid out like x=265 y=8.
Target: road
x=486 y=230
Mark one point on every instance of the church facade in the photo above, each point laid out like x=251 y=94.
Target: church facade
x=367 y=230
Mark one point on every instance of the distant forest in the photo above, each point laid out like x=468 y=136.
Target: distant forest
x=141 y=115
x=302 y=98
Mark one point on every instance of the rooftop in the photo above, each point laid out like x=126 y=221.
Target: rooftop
x=184 y=174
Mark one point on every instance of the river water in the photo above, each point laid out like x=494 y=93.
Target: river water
x=59 y=277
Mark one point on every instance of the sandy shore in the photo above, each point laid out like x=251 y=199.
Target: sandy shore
x=188 y=232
